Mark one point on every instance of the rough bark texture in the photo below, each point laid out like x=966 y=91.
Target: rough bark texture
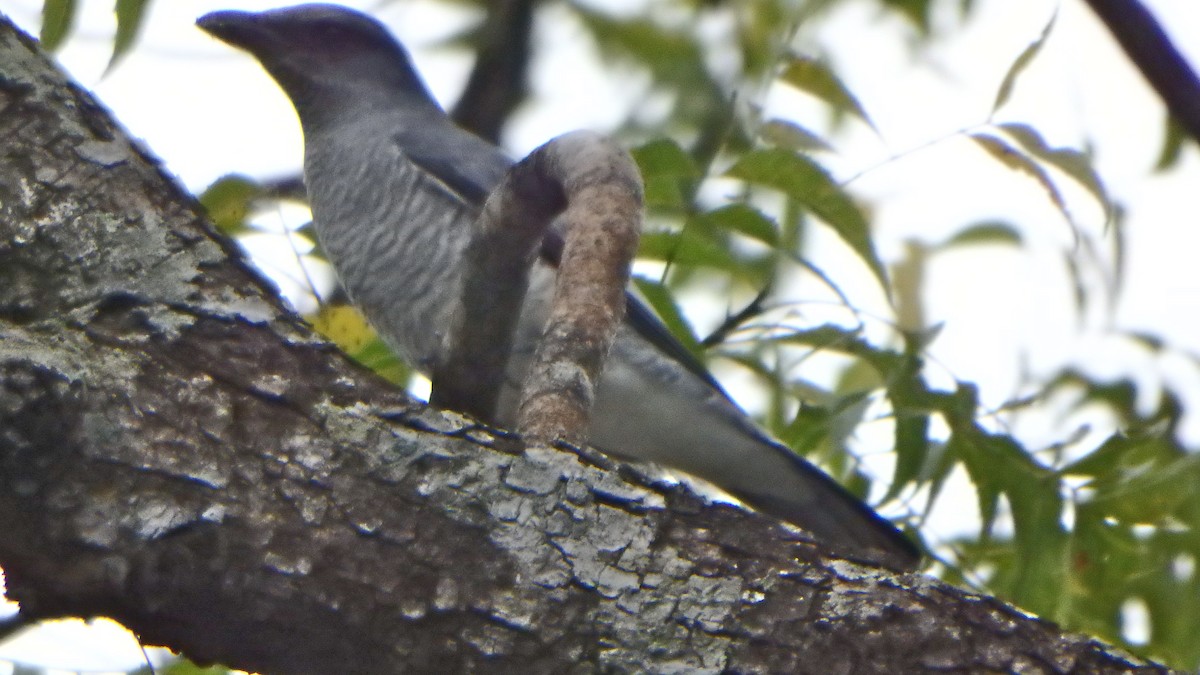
x=603 y=221
x=180 y=453
x=597 y=189
x=499 y=260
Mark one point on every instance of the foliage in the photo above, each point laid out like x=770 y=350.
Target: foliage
x=1073 y=532
x=58 y=21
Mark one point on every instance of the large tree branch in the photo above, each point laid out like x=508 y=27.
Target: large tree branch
x=179 y=452
x=1152 y=52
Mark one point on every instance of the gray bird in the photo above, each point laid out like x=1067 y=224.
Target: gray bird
x=395 y=187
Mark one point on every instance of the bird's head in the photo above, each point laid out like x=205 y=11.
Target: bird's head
x=321 y=53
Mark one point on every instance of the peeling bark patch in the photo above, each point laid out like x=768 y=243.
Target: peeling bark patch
x=534 y=478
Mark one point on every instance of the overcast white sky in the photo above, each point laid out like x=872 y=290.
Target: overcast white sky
x=1005 y=312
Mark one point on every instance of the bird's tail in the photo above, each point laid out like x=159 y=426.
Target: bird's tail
x=649 y=408
x=816 y=503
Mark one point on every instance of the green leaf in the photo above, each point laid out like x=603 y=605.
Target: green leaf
x=227 y=202
x=380 y=358
x=920 y=12
x=1120 y=398
x=1042 y=546
x=689 y=249
x=669 y=174
x=662 y=301
x=908 y=286
x=1174 y=136
x=673 y=55
x=1014 y=158
x=1139 y=478
x=1072 y=162
x=744 y=219
x=939 y=463
x=58 y=18
x=1150 y=495
x=1155 y=343
x=131 y=15
x=911 y=446
x=1118 y=453
x=346 y=327
x=665 y=157
x=787 y=134
x=181 y=666
x=986 y=232
x=808 y=184
x=858 y=377
x=911 y=402
x=999 y=466
x=987 y=489
x=816 y=78
x=1018 y=66
x=848 y=341
x=807 y=429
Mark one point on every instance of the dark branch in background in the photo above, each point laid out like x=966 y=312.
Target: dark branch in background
x=1144 y=41
x=498 y=83
x=735 y=321
x=285 y=187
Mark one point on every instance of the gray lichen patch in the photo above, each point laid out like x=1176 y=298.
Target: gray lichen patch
x=105 y=152
x=252 y=309
x=540 y=478
x=613 y=583
x=709 y=602
x=539 y=563
x=122 y=258
x=489 y=640
x=615 y=489
x=311 y=453
x=312 y=504
x=446 y=594
x=67 y=359
x=159 y=450
x=270 y=385
x=104 y=523
x=512 y=508
x=512 y=609
x=289 y=564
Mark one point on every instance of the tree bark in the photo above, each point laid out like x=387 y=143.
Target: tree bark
x=181 y=453
x=593 y=187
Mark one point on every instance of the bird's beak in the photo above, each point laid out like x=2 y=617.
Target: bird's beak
x=240 y=29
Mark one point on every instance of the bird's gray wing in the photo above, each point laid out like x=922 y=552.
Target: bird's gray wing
x=466 y=164
x=647 y=324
